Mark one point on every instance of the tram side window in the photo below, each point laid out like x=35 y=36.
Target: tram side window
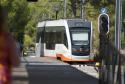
x=40 y=34
x=52 y=40
x=42 y=37
x=61 y=38
x=58 y=37
x=54 y=36
x=37 y=37
x=49 y=40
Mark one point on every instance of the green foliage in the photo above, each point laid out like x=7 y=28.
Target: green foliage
x=18 y=17
x=23 y=16
x=27 y=40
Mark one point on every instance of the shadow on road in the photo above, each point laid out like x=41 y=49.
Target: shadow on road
x=54 y=74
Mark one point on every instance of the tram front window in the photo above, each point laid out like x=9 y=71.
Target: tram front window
x=80 y=37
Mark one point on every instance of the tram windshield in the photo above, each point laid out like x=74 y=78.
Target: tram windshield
x=79 y=37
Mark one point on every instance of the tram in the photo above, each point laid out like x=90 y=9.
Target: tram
x=67 y=39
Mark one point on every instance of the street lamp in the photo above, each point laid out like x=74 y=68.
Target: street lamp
x=81 y=8
x=56 y=9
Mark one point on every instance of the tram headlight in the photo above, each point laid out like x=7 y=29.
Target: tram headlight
x=84 y=50
x=80 y=50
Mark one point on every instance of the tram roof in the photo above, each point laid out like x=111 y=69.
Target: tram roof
x=60 y=22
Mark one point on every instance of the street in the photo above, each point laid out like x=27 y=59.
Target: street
x=46 y=70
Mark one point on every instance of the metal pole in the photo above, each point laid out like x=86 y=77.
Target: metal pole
x=122 y=67
x=65 y=1
x=117 y=39
x=81 y=9
x=118 y=24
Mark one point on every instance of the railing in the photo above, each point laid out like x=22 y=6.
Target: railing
x=112 y=63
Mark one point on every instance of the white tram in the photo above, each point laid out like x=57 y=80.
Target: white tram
x=67 y=39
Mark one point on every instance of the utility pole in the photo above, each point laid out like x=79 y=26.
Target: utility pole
x=81 y=9
x=118 y=24
x=65 y=7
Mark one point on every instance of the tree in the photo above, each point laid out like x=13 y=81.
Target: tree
x=23 y=16
x=17 y=17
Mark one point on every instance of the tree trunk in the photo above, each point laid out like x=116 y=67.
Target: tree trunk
x=73 y=6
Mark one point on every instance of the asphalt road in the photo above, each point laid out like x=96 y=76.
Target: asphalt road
x=50 y=71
